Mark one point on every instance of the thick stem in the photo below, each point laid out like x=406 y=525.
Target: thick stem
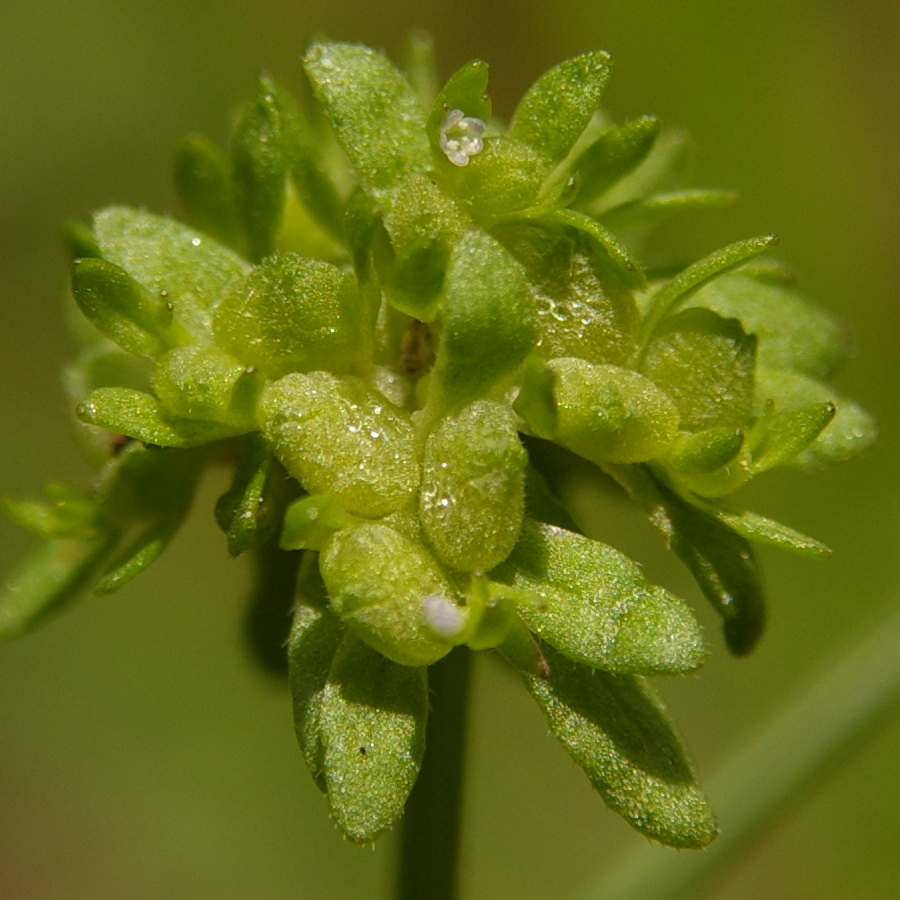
x=429 y=850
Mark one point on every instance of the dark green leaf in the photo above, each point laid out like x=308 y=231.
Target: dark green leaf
x=617 y=730
x=614 y=154
x=247 y=511
x=594 y=605
x=557 y=108
x=788 y=434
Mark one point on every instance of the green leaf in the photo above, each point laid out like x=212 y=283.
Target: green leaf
x=378 y=580
x=557 y=108
x=597 y=608
x=272 y=599
x=850 y=432
x=48 y=580
x=650 y=211
x=766 y=531
x=617 y=151
x=374 y=111
x=704 y=451
x=371 y=716
x=498 y=182
x=291 y=314
x=264 y=148
x=788 y=434
x=121 y=309
x=793 y=334
x=472 y=500
x=617 y=730
x=79 y=240
x=371 y=462
x=208 y=384
x=314 y=638
x=622 y=263
x=310 y=521
x=68 y=514
x=584 y=309
x=706 y=365
x=186 y=269
x=139 y=553
x=721 y=561
x=247 y=511
x=610 y=414
x=139 y=415
x=489 y=323
x=204 y=179
x=677 y=291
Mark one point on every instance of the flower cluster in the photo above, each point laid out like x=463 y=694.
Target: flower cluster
x=385 y=301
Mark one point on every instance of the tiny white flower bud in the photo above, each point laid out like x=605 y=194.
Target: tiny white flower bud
x=443 y=616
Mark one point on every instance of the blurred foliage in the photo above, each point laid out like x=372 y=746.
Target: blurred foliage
x=137 y=758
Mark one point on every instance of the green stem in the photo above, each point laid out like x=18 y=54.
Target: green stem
x=776 y=769
x=430 y=839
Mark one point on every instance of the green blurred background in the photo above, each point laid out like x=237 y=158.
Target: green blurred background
x=140 y=755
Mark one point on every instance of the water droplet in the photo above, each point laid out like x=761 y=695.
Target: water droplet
x=196 y=241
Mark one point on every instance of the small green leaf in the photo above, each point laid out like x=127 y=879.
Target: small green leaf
x=374 y=111
x=618 y=258
x=596 y=607
x=80 y=241
x=704 y=451
x=371 y=461
x=721 y=561
x=247 y=511
x=617 y=730
x=584 y=309
x=706 y=364
x=471 y=500
x=503 y=179
x=850 y=432
x=557 y=108
x=273 y=596
x=310 y=521
x=613 y=155
x=139 y=553
x=378 y=580
x=766 y=531
x=139 y=415
x=120 y=308
x=291 y=314
x=68 y=514
x=536 y=402
x=264 y=148
x=793 y=334
x=184 y=268
x=650 y=211
x=371 y=722
x=204 y=180
x=788 y=434
x=610 y=414
x=48 y=580
x=208 y=384
x=489 y=323
x=314 y=638
x=677 y=291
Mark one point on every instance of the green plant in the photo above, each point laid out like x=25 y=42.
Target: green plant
x=385 y=312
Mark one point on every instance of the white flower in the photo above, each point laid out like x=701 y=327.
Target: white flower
x=461 y=137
